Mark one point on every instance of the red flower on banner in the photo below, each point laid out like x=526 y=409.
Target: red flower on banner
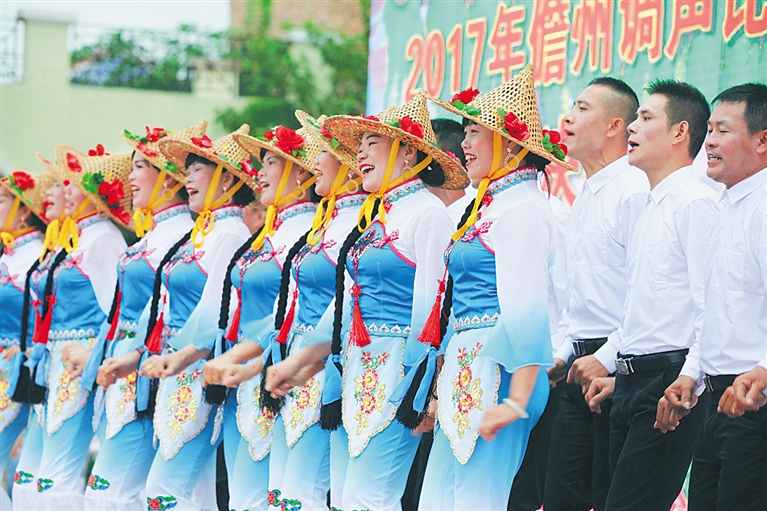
x=154 y=134
x=515 y=127
x=287 y=140
x=98 y=151
x=269 y=135
x=23 y=180
x=112 y=191
x=410 y=126
x=466 y=96
x=204 y=142
x=146 y=150
x=247 y=168
x=73 y=163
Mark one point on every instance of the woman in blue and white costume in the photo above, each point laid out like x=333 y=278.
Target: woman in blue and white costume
x=256 y=274
x=81 y=294
x=492 y=383
x=395 y=261
x=25 y=477
x=161 y=217
x=21 y=220
x=182 y=320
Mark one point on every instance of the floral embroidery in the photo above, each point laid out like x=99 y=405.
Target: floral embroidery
x=127 y=392
x=182 y=406
x=161 y=503
x=69 y=262
x=371 y=239
x=186 y=254
x=368 y=390
x=22 y=477
x=283 y=504
x=303 y=398
x=5 y=400
x=66 y=392
x=97 y=482
x=264 y=254
x=44 y=484
x=265 y=419
x=475 y=231
x=467 y=393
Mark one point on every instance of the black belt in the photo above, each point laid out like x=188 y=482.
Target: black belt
x=631 y=364
x=719 y=382
x=583 y=347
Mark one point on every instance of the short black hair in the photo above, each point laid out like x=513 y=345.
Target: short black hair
x=685 y=103
x=754 y=95
x=450 y=135
x=193 y=158
x=627 y=102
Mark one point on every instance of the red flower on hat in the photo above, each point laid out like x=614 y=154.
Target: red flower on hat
x=325 y=133
x=247 y=168
x=410 y=126
x=154 y=134
x=515 y=127
x=466 y=96
x=112 y=191
x=269 y=135
x=122 y=215
x=552 y=142
x=287 y=140
x=23 y=180
x=66 y=182
x=146 y=150
x=204 y=142
x=368 y=117
x=73 y=163
x=98 y=151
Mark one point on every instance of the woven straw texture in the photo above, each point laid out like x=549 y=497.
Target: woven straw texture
x=90 y=172
x=314 y=126
x=311 y=148
x=348 y=129
x=149 y=146
x=223 y=151
x=51 y=167
x=32 y=195
x=516 y=95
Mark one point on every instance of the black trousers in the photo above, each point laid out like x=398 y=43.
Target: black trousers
x=648 y=467
x=729 y=467
x=578 y=474
x=528 y=485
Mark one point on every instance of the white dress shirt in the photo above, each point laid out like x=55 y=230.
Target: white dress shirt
x=601 y=223
x=666 y=260
x=734 y=335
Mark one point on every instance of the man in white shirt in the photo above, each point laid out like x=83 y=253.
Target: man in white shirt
x=601 y=222
x=728 y=470
x=663 y=311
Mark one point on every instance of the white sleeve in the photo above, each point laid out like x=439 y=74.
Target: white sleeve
x=99 y=264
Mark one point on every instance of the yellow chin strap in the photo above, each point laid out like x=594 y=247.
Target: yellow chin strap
x=327 y=206
x=204 y=223
x=143 y=218
x=280 y=202
x=499 y=172
x=9 y=237
x=366 y=212
x=69 y=238
x=52 y=232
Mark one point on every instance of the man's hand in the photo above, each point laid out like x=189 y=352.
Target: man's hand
x=746 y=393
x=496 y=418
x=676 y=403
x=557 y=372
x=585 y=370
x=74 y=357
x=599 y=390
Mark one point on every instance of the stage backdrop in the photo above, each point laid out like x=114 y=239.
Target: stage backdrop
x=445 y=46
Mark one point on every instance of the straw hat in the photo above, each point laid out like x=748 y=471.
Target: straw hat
x=410 y=124
x=102 y=177
x=29 y=189
x=149 y=146
x=223 y=151
x=298 y=146
x=511 y=109
x=314 y=126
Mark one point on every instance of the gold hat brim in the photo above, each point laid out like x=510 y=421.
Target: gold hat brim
x=340 y=153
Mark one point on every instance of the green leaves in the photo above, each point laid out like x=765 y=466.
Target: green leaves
x=91 y=181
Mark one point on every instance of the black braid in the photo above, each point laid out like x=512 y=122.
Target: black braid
x=113 y=308
x=330 y=415
x=21 y=394
x=215 y=394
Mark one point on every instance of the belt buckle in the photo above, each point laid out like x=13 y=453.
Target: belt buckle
x=579 y=348
x=708 y=383
x=624 y=366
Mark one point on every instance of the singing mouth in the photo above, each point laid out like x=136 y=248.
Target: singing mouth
x=366 y=169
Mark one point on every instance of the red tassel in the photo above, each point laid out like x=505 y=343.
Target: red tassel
x=154 y=340
x=432 y=333
x=43 y=327
x=282 y=336
x=234 y=327
x=358 y=334
x=115 y=317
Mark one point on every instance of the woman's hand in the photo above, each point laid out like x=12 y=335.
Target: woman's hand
x=496 y=418
x=427 y=424
x=9 y=352
x=74 y=357
x=213 y=370
x=119 y=367
x=154 y=366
